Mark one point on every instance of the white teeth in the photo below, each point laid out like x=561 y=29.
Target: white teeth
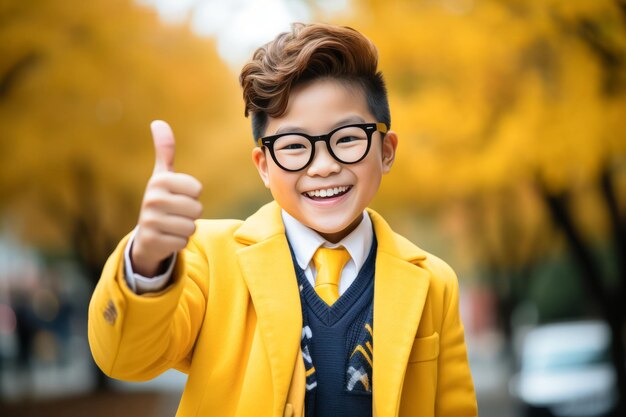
x=328 y=192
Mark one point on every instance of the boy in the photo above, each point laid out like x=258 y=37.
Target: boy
x=279 y=315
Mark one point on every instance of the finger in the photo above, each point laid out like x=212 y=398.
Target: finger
x=164 y=146
x=173 y=204
x=160 y=243
x=178 y=183
x=177 y=226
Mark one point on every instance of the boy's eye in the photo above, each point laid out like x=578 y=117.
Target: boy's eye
x=348 y=139
x=291 y=143
x=292 y=146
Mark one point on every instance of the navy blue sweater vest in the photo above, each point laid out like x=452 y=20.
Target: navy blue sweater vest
x=336 y=334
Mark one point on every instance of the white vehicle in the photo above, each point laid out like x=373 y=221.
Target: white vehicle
x=566 y=371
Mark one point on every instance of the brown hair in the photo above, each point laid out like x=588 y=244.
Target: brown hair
x=308 y=52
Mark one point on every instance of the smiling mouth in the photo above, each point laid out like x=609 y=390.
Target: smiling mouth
x=327 y=193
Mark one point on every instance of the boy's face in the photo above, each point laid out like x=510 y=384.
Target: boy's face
x=316 y=108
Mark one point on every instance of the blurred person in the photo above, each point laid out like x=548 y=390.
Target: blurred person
x=278 y=315
x=26 y=328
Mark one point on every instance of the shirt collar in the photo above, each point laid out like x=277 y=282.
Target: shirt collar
x=305 y=240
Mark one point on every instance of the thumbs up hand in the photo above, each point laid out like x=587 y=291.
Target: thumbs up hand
x=169 y=209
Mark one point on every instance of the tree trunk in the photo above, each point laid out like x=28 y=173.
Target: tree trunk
x=592 y=277
x=618 y=227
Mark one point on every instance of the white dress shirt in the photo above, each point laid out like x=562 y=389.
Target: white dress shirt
x=140 y=284
x=304 y=242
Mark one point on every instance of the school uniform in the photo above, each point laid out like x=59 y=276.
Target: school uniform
x=232 y=318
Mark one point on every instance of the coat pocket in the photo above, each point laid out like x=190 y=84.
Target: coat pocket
x=425 y=348
x=288 y=410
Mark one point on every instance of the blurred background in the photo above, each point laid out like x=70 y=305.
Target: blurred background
x=512 y=166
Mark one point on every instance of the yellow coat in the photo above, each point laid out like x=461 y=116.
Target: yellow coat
x=232 y=321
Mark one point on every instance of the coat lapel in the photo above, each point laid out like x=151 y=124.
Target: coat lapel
x=400 y=289
x=269 y=273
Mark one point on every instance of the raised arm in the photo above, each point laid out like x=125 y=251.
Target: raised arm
x=136 y=337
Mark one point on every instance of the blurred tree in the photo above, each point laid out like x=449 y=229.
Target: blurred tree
x=79 y=85
x=492 y=97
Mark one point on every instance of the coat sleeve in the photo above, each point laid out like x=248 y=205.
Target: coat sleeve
x=137 y=337
x=455 y=389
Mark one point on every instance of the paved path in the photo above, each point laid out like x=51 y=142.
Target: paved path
x=104 y=404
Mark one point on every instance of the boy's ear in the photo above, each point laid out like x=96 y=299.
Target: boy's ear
x=390 y=144
x=260 y=162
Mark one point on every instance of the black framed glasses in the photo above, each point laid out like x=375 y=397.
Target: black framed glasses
x=347 y=144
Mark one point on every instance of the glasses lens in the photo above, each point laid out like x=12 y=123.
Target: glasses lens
x=349 y=144
x=292 y=151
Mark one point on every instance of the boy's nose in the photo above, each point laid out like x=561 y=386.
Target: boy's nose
x=323 y=164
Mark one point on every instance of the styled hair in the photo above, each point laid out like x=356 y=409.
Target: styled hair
x=309 y=52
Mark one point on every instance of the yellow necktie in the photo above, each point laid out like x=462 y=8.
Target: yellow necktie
x=329 y=263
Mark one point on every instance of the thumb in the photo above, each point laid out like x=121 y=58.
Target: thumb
x=164 y=146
